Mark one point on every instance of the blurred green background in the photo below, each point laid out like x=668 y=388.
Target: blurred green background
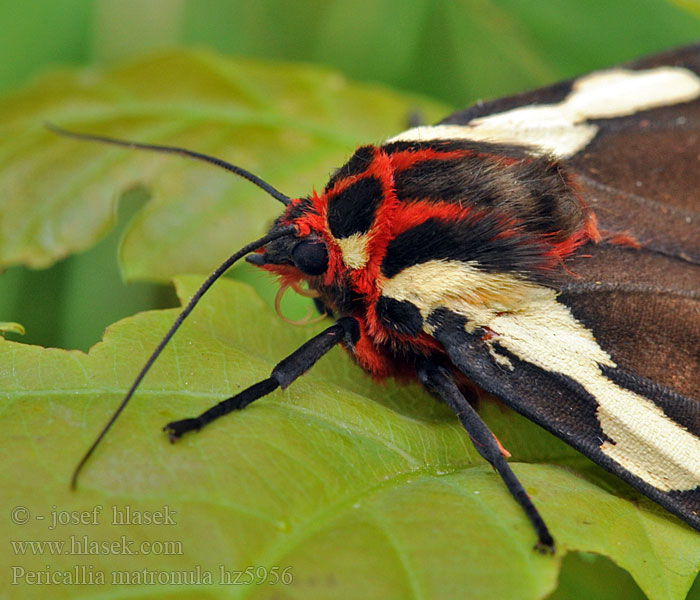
x=457 y=51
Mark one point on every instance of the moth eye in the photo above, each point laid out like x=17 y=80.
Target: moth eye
x=310 y=257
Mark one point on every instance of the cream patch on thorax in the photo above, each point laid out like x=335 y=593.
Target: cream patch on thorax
x=561 y=129
x=354 y=250
x=443 y=283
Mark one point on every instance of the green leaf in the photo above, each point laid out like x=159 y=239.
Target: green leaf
x=11 y=327
x=292 y=125
x=364 y=490
x=692 y=6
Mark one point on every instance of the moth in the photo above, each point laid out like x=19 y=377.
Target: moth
x=544 y=248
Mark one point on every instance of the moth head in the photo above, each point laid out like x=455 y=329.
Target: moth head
x=335 y=228
x=297 y=256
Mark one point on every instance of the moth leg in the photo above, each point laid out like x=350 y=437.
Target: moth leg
x=284 y=373
x=438 y=381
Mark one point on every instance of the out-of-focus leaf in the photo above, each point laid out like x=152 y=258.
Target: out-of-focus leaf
x=692 y=6
x=290 y=124
x=7 y=326
x=458 y=51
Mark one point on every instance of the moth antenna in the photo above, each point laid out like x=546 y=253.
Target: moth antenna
x=241 y=172
x=220 y=270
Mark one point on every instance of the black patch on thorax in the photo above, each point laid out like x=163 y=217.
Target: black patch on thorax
x=352 y=210
x=399 y=315
x=461 y=240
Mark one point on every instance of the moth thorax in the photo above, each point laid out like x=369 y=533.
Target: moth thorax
x=537 y=192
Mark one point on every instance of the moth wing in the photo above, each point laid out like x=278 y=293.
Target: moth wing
x=638 y=414
x=640 y=171
x=644 y=432
x=640 y=174
x=643 y=308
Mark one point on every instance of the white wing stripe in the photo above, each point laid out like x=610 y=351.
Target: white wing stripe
x=561 y=129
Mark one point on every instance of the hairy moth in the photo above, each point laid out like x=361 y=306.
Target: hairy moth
x=545 y=247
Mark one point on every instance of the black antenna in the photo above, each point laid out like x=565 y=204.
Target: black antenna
x=276 y=194
x=220 y=270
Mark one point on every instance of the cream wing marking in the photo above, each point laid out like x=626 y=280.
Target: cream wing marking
x=645 y=441
x=527 y=320
x=561 y=129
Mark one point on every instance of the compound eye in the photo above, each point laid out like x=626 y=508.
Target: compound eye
x=310 y=257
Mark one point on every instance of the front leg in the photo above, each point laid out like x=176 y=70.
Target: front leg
x=439 y=382
x=284 y=373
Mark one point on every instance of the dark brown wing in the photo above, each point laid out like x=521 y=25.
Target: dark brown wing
x=641 y=176
x=644 y=309
x=640 y=173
